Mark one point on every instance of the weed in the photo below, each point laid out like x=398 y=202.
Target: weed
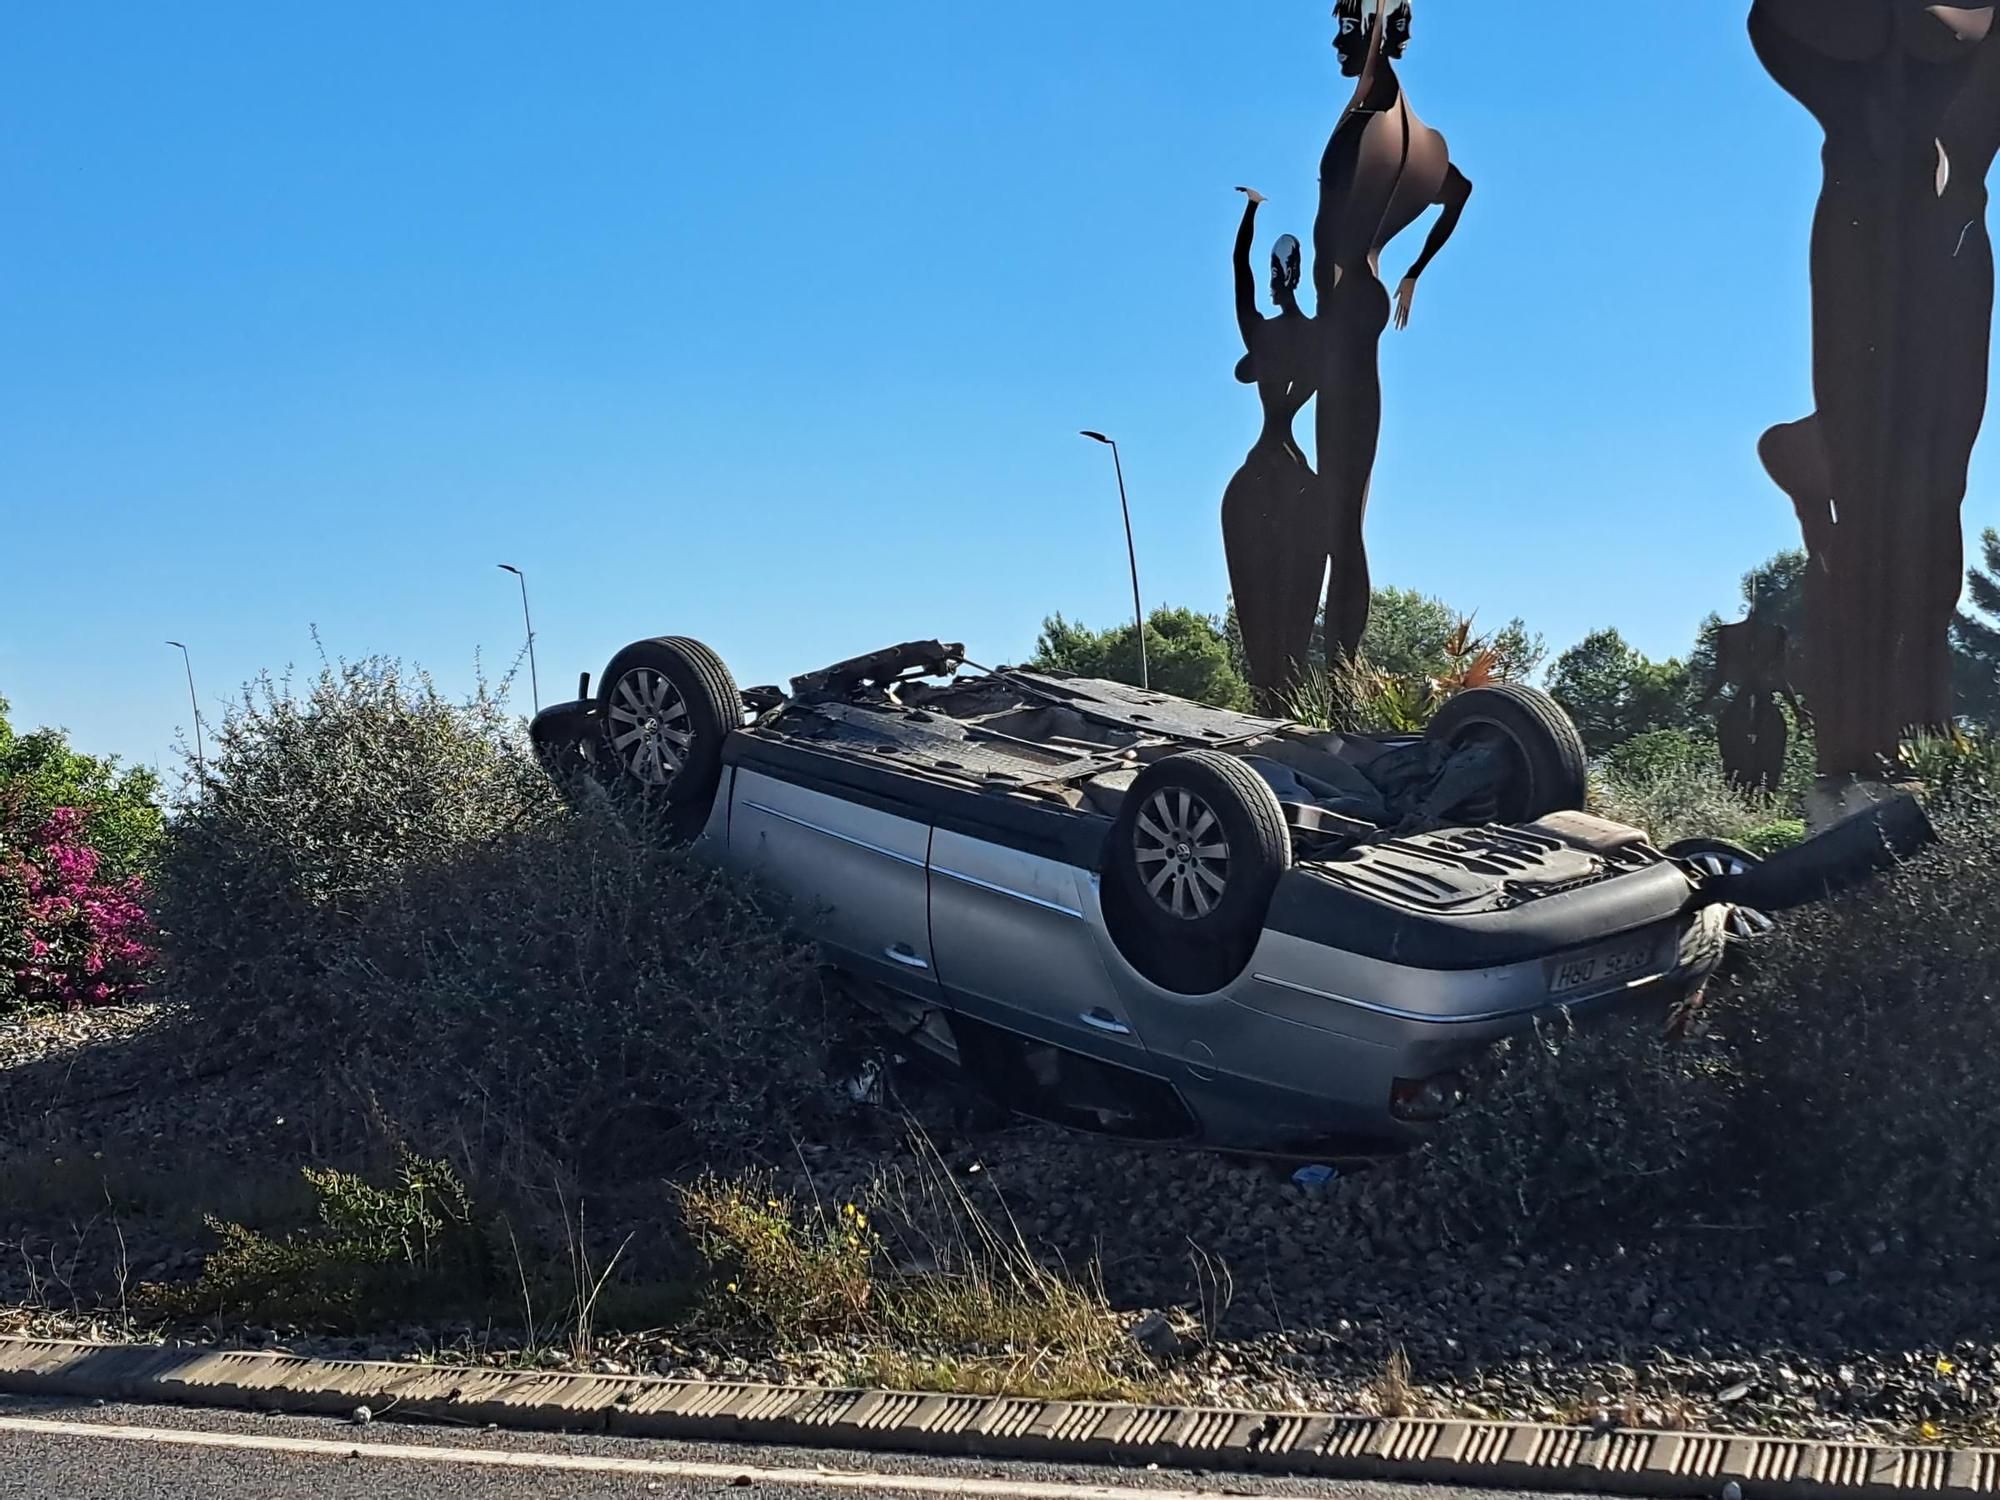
x=946 y=1299
x=376 y=1254
x=1393 y=1391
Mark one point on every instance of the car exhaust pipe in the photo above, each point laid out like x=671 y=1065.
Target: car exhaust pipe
x=1841 y=857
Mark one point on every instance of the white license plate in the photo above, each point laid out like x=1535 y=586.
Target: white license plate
x=1605 y=966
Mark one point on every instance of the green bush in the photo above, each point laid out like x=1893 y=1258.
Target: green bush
x=1660 y=752
x=1767 y=839
x=1955 y=767
x=375 y=1256
x=1693 y=799
x=1866 y=1028
x=381 y=896
x=1566 y=1131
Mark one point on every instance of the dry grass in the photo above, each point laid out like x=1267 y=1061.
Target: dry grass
x=1393 y=1391
x=931 y=1290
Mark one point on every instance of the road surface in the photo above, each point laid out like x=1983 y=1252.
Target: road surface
x=81 y=1451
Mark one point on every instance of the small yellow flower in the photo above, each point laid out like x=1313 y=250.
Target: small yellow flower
x=1945 y=1366
x=732 y=1286
x=1929 y=1431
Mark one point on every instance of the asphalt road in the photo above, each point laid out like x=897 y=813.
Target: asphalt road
x=83 y=1452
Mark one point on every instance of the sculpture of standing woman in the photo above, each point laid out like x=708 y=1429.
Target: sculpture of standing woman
x=1908 y=95
x=1382 y=170
x=1268 y=530
x=1752 y=661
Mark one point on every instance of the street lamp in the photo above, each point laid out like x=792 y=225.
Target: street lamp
x=1132 y=553
x=534 y=683
x=200 y=757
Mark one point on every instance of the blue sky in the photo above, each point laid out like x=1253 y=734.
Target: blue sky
x=774 y=323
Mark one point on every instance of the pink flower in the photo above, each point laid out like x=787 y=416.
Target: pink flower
x=88 y=941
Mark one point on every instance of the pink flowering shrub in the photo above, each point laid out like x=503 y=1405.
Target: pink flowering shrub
x=70 y=933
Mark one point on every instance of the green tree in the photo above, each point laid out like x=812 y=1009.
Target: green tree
x=1775 y=591
x=1975 y=636
x=39 y=772
x=1187 y=654
x=1408 y=634
x=1615 y=692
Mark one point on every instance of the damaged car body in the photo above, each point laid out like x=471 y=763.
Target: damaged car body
x=1127 y=912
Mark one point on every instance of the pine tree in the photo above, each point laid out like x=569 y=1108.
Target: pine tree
x=1976 y=634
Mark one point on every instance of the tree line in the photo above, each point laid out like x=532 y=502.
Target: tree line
x=1614 y=691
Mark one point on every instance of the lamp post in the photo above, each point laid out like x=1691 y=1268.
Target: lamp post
x=1132 y=555
x=534 y=683
x=194 y=703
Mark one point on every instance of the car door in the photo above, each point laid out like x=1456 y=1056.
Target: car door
x=856 y=871
x=1013 y=945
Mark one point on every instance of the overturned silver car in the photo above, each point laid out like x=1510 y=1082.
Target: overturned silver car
x=1128 y=912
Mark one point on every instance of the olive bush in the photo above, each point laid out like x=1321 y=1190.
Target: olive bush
x=381 y=895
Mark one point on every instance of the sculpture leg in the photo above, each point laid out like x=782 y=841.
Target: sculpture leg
x=1736 y=736
x=1902 y=312
x=1795 y=456
x=1349 y=430
x=1274 y=571
x=1772 y=738
x=1836 y=467
x=1951 y=338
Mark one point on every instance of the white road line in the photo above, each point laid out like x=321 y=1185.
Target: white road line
x=839 y=1479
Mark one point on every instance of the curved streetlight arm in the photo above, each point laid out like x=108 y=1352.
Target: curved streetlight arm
x=1131 y=554
x=194 y=705
x=534 y=680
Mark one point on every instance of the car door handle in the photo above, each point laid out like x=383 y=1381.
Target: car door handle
x=904 y=954
x=1102 y=1020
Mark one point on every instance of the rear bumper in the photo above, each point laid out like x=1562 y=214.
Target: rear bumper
x=1317 y=905
x=1313 y=1057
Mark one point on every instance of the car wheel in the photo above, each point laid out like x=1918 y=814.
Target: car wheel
x=1720 y=857
x=1189 y=867
x=1548 y=771
x=666 y=706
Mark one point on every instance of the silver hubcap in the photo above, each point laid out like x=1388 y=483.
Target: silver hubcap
x=1183 y=856
x=1744 y=922
x=650 y=731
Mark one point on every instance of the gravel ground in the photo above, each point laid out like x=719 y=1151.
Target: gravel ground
x=1711 y=1325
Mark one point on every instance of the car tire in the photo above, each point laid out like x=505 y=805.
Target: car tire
x=1550 y=770
x=1188 y=914
x=1720 y=857
x=666 y=707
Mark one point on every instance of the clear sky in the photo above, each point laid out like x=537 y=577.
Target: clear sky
x=773 y=323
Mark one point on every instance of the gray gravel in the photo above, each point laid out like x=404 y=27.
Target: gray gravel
x=1710 y=1325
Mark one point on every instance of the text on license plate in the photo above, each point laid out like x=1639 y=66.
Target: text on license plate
x=1603 y=966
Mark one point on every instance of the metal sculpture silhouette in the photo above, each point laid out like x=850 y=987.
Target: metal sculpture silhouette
x=1902 y=273
x=1268 y=530
x=1752 y=662
x=1383 y=169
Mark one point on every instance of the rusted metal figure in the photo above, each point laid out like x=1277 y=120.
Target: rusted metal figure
x=1752 y=662
x=1383 y=169
x=1269 y=510
x=1908 y=95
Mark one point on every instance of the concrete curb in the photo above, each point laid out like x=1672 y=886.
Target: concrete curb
x=1504 y=1455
